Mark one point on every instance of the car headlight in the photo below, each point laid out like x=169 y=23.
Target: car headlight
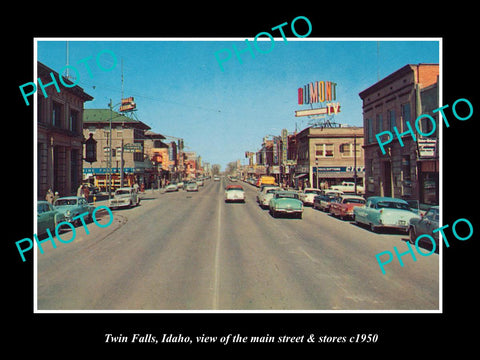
x=68 y=213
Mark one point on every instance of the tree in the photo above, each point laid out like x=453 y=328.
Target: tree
x=216 y=169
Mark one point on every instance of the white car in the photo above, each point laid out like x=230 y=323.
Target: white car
x=348 y=187
x=171 y=187
x=216 y=178
x=124 y=197
x=234 y=193
x=266 y=194
x=263 y=189
x=307 y=195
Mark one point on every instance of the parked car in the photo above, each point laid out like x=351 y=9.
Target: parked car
x=124 y=197
x=48 y=217
x=425 y=225
x=191 y=186
x=286 y=202
x=266 y=195
x=180 y=184
x=307 y=195
x=234 y=193
x=262 y=189
x=349 y=187
x=324 y=201
x=384 y=212
x=343 y=208
x=71 y=206
x=171 y=187
x=199 y=182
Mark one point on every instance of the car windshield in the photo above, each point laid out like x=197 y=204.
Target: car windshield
x=287 y=195
x=235 y=188
x=271 y=191
x=312 y=192
x=354 y=201
x=61 y=202
x=393 y=205
x=122 y=192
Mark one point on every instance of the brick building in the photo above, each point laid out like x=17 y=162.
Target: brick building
x=59 y=134
x=409 y=171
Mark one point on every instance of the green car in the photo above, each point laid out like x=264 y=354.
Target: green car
x=285 y=202
x=48 y=217
x=72 y=206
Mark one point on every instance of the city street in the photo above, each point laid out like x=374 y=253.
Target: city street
x=192 y=251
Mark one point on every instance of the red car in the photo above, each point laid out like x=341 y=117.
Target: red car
x=344 y=207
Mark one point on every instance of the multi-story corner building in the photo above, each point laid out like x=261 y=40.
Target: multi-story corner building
x=59 y=135
x=127 y=143
x=329 y=155
x=409 y=171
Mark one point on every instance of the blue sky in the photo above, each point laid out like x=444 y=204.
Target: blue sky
x=180 y=89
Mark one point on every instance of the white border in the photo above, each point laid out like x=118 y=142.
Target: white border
x=385 y=39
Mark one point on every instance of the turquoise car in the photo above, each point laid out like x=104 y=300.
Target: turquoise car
x=72 y=206
x=48 y=217
x=285 y=202
x=384 y=212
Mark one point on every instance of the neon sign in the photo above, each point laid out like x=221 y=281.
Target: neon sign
x=317 y=92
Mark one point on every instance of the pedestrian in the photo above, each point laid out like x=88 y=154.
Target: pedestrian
x=86 y=192
x=80 y=190
x=49 y=197
x=55 y=197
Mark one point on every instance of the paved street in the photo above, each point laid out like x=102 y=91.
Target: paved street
x=191 y=251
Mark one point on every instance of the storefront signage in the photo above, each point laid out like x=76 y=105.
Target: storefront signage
x=338 y=168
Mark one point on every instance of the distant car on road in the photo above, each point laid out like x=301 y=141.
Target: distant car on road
x=384 y=212
x=199 y=182
x=343 y=208
x=234 y=193
x=71 y=206
x=286 y=202
x=191 y=186
x=171 y=187
x=425 y=225
x=124 y=197
x=216 y=178
x=48 y=217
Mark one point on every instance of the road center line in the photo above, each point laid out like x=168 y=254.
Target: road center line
x=217 y=253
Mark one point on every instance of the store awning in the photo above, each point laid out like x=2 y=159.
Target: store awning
x=299 y=176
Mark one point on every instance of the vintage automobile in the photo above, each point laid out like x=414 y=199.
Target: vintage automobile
x=425 y=225
x=234 y=193
x=216 y=178
x=171 y=187
x=262 y=189
x=199 y=182
x=266 y=194
x=307 y=195
x=343 y=208
x=384 y=212
x=349 y=187
x=285 y=202
x=48 y=217
x=71 y=206
x=191 y=186
x=324 y=201
x=124 y=197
